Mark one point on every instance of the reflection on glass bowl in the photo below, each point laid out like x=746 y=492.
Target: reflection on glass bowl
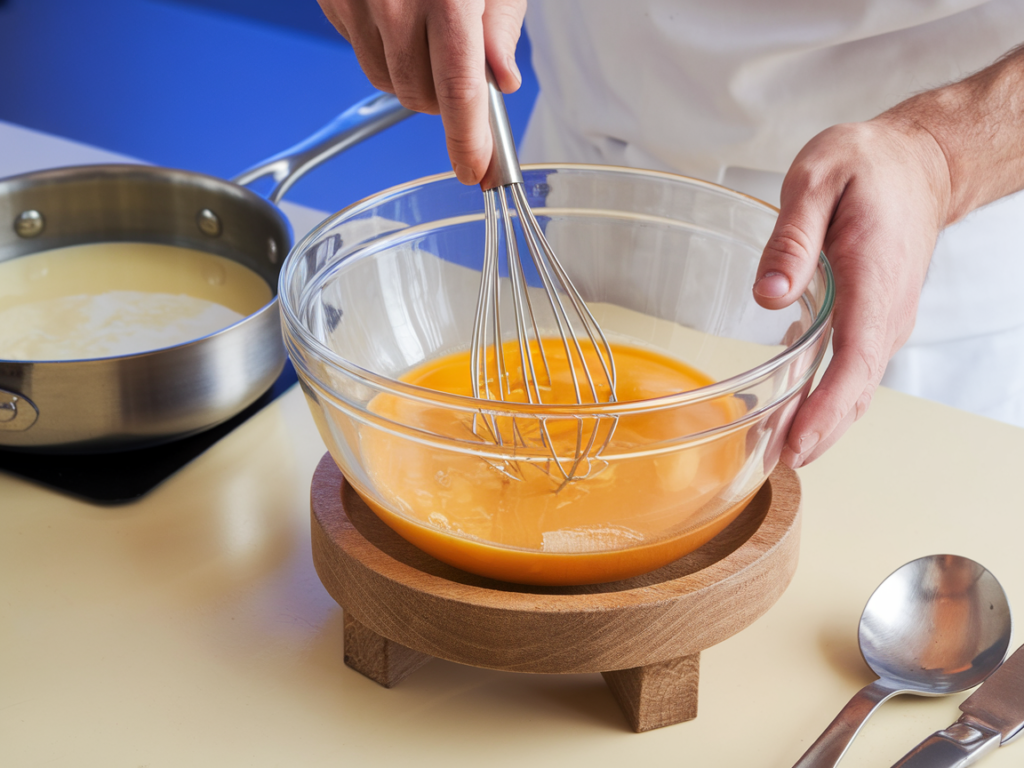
x=378 y=306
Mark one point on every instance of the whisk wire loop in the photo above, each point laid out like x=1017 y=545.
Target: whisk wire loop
x=525 y=317
x=568 y=322
x=526 y=375
x=548 y=266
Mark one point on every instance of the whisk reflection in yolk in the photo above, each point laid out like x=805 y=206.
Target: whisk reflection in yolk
x=515 y=520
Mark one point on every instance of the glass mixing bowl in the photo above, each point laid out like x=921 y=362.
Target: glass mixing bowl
x=665 y=263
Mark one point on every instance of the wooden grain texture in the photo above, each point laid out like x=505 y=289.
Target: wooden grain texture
x=659 y=694
x=404 y=595
x=383 y=661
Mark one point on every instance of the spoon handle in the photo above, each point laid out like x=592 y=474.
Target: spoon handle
x=830 y=747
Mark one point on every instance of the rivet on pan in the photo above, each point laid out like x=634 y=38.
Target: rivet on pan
x=209 y=223
x=29 y=224
x=17 y=412
x=272 y=250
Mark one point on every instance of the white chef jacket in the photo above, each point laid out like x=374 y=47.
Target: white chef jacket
x=731 y=90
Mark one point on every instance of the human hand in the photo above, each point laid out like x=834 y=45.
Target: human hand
x=873 y=196
x=431 y=55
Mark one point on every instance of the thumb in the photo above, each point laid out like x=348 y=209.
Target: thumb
x=502 y=23
x=791 y=254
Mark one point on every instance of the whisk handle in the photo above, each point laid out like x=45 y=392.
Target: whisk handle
x=504 y=167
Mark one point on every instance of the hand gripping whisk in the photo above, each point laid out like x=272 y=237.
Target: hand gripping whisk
x=555 y=353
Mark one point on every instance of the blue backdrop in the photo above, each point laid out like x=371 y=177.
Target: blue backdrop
x=209 y=85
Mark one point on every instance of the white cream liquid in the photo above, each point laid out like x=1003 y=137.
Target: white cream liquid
x=109 y=299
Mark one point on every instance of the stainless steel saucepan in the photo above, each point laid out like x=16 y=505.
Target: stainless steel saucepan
x=130 y=401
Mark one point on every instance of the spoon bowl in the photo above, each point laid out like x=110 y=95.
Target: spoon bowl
x=937 y=625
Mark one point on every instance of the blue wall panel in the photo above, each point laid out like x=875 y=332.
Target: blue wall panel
x=208 y=85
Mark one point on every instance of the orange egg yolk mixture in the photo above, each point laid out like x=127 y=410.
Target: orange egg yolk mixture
x=513 y=518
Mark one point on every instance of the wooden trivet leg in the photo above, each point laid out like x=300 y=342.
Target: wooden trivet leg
x=659 y=694
x=383 y=661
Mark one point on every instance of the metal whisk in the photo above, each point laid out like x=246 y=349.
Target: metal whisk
x=558 y=335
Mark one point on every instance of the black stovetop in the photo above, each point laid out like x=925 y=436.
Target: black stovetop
x=121 y=477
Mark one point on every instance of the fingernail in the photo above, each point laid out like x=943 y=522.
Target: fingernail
x=795 y=459
x=772 y=285
x=510 y=62
x=807 y=442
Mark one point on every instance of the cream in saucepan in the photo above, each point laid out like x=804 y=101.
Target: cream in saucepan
x=109 y=299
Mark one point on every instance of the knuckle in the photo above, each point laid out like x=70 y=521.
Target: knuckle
x=413 y=89
x=465 y=146
x=871 y=361
x=452 y=14
x=379 y=79
x=863 y=402
x=809 y=177
x=789 y=246
x=509 y=16
x=863 y=362
x=387 y=15
x=828 y=411
x=394 y=16
x=456 y=90
x=417 y=101
x=372 y=62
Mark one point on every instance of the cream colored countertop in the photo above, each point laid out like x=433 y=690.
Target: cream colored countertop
x=190 y=629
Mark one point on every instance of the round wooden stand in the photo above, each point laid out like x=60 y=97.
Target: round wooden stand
x=645 y=634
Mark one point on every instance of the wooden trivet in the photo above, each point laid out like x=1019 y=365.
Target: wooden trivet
x=645 y=634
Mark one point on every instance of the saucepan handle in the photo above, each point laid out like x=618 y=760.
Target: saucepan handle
x=360 y=121
x=17 y=412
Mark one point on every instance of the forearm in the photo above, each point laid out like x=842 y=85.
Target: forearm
x=978 y=124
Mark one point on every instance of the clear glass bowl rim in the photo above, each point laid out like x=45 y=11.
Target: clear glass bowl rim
x=463 y=402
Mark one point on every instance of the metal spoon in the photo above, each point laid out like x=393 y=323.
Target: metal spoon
x=938 y=625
